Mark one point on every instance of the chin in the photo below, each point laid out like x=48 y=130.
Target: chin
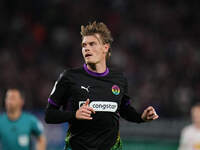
x=90 y=62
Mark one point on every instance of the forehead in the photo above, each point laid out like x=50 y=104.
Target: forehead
x=12 y=93
x=91 y=38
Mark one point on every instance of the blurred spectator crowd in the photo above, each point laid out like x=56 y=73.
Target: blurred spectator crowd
x=156 y=45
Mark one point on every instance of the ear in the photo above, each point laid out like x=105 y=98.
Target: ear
x=22 y=103
x=106 y=47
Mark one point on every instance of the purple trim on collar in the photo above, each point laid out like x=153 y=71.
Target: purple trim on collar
x=52 y=102
x=95 y=73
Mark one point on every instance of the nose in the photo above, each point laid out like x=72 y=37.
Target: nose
x=87 y=50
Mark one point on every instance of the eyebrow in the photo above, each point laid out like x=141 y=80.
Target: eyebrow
x=83 y=43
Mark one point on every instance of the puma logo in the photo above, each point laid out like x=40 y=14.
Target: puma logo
x=87 y=89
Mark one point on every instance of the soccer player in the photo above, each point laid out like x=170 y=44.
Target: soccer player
x=98 y=96
x=190 y=135
x=16 y=127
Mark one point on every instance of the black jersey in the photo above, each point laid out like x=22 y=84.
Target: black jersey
x=108 y=97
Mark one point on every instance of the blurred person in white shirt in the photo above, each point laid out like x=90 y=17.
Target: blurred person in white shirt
x=190 y=135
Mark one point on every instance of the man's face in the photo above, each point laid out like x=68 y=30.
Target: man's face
x=13 y=100
x=196 y=115
x=93 y=49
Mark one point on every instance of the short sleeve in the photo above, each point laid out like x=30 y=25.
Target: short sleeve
x=37 y=127
x=60 y=90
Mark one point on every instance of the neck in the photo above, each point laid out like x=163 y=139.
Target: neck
x=14 y=115
x=98 y=68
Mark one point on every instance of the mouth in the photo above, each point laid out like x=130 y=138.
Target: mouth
x=87 y=55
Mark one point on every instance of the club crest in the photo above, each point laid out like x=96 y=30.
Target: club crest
x=115 y=89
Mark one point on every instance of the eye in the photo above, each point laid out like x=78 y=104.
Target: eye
x=83 y=45
x=92 y=43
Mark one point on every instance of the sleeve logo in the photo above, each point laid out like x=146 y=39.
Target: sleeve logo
x=115 y=90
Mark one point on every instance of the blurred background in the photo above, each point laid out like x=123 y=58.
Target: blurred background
x=156 y=44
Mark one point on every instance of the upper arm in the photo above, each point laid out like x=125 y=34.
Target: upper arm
x=127 y=111
x=60 y=90
x=125 y=99
x=60 y=93
x=125 y=102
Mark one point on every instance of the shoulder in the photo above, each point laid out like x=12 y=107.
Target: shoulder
x=116 y=72
x=68 y=74
x=188 y=129
x=118 y=75
x=74 y=70
x=3 y=117
x=71 y=71
x=35 y=123
x=29 y=116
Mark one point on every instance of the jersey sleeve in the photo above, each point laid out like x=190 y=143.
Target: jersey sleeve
x=37 y=127
x=127 y=111
x=57 y=98
x=60 y=90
